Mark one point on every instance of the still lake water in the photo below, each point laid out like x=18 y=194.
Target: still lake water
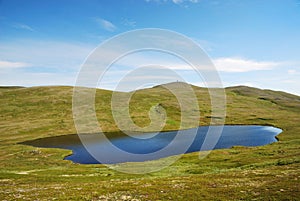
x=230 y=136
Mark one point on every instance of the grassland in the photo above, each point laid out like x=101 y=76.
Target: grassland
x=269 y=172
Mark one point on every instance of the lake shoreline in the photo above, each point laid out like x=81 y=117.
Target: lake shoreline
x=75 y=139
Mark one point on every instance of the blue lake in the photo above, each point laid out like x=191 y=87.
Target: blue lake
x=151 y=143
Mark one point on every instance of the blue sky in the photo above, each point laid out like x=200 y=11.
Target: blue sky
x=251 y=42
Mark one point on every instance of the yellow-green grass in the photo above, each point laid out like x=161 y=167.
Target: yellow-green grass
x=268 y=172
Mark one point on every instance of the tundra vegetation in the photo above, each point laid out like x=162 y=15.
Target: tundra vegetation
x=268 y=172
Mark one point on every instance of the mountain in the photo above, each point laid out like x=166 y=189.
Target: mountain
x=48 y=110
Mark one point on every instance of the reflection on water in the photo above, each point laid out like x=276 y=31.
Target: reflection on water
x=231 y=136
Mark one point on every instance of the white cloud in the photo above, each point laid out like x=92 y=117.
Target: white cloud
x=36 y=79
x=293 y=72
x=231 y=65
x=242 y=65
x=10 y=65
x=23 y=26
x=105 y=24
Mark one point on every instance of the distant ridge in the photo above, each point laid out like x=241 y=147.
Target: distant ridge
x=11 y=87
x=240 y=89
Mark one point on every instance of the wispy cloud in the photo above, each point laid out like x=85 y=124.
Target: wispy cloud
x=223 y=64
x=10 y=64
x=23 y=26
x=243 y=65
x=105 y=24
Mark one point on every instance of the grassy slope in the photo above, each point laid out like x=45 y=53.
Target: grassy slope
x=267 y=172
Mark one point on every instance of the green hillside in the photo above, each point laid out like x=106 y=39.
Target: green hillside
x=269 y=172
